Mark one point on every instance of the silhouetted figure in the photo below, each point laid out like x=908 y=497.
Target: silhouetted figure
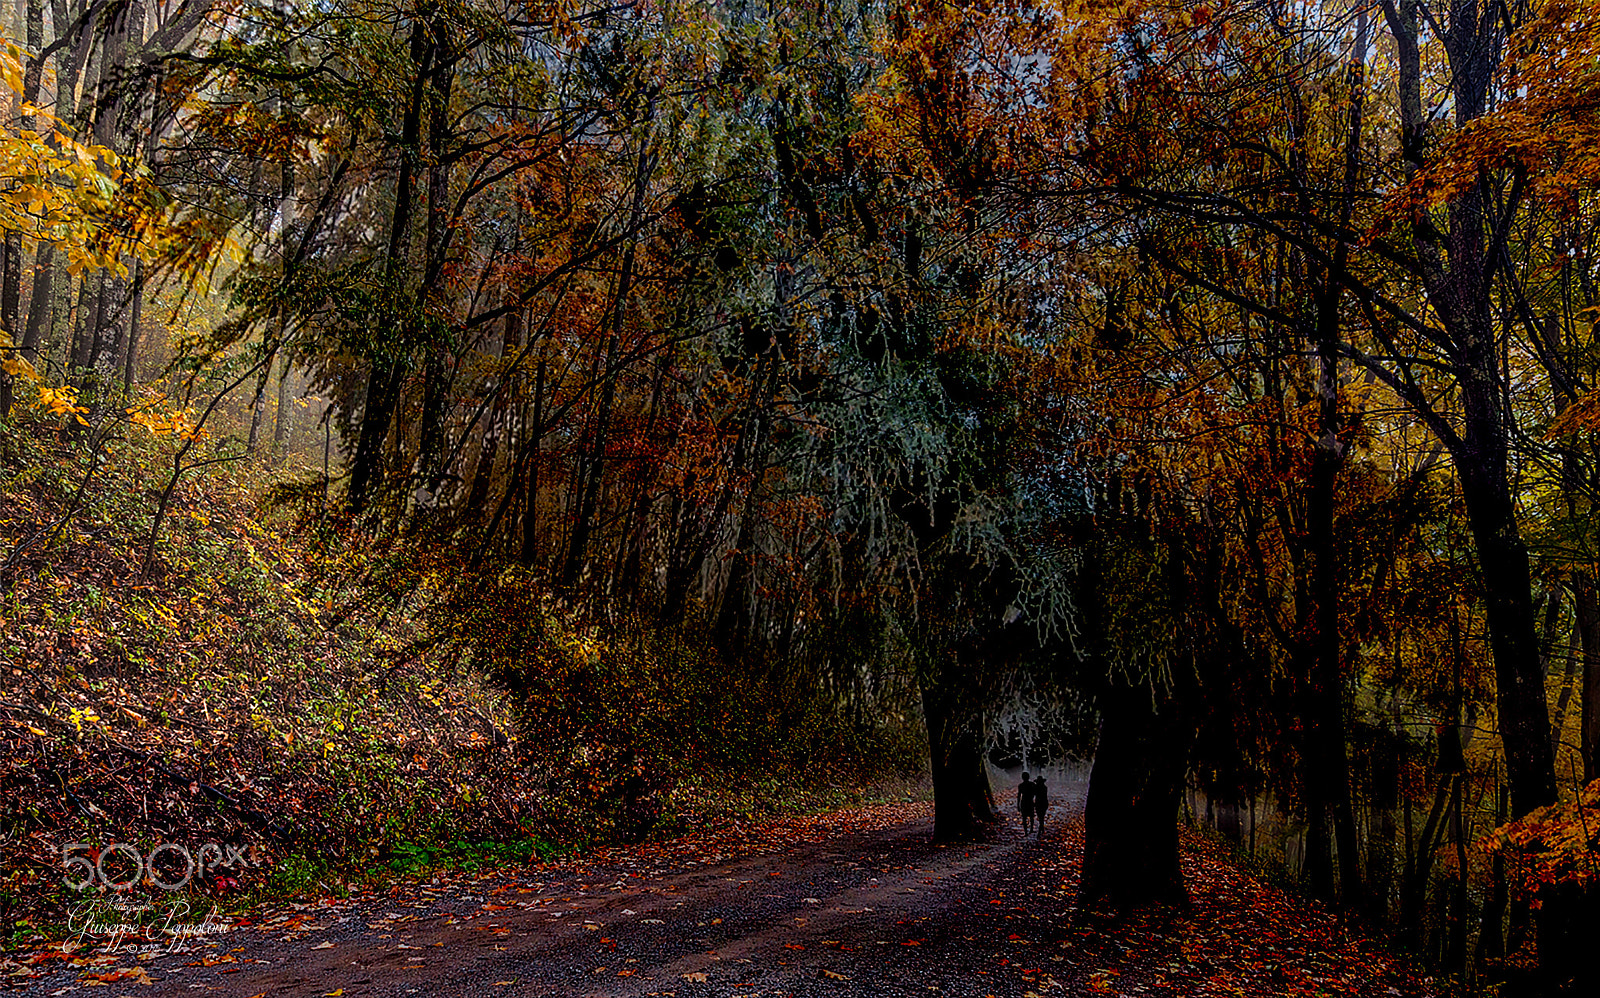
x=1027 y=797
x=1041 y=804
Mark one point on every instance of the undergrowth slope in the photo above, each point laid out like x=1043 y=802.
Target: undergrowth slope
x=325 y=706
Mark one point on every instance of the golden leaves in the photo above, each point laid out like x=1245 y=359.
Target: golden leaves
x=1548 y=127
x=79 y=197
x=59 y=401
x=179 y=423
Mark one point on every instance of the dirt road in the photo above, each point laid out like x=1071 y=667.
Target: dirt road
x=864 y=905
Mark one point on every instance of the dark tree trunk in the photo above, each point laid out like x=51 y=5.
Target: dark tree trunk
x=383 y=385
x=963 y=801
x=39 y=306
x=258 y=405
x=1569 y=924
x=10 y=296
x=1588 y=613
x=1419 y=864
x=79 y=350
x=11 y=262
x=1513 y=636
x=1491 y=940
x=436 y=385
x=1385 y=783
x=1458 y=267
x=1329 y=767
x=282 y=424
x=130 y=359
x=630 y=569
x=499 y=414
x=1130 y=852
x=588 y=494
x=388 y=372
x=529 y=548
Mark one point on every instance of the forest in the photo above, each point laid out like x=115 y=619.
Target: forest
x=803 y=393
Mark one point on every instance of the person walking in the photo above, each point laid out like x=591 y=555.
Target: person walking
x=1026 y=801
x=1041 y=804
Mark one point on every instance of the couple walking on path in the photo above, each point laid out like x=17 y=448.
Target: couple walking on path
x=1033 y=800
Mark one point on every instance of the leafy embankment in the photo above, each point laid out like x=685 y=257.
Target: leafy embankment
x=309 y=700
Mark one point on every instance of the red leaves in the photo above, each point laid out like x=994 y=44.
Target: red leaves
x=1239 y=937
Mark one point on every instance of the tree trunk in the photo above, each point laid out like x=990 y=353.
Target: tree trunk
x=258 y=406
x=489 y=448
x=366 y=464
x=1491 y=939
x=963 y=801
x=94 y=358
x=42 y=301
x=1381 y=833
x=1513 y=637
x=630 y=567
x=436 y=381
x=11 y=261
x=1457 y=267
x=530 y=514
x=10 y=297
x=1328 y=726
x=78 y=352
x=1588 y=613
x=130 y=359
x=281 y=425
x=1131 y=820
x=388 y=372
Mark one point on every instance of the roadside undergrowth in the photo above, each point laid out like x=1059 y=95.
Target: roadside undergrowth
x=297 y=705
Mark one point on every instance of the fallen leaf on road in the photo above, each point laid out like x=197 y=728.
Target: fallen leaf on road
x=323 y=945
x=833 y=976
x=695 y=976
x=135 y=974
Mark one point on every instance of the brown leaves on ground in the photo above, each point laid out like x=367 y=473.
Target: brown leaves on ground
x=1239 y=937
